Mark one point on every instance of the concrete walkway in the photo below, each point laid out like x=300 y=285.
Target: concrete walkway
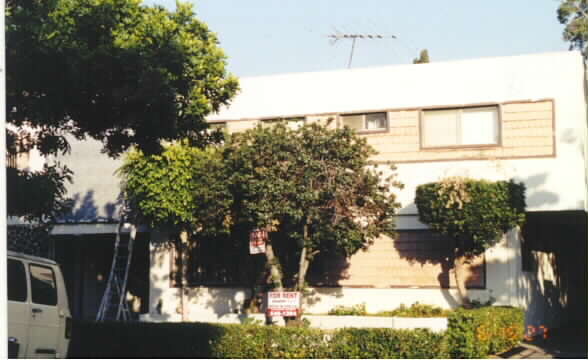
x=568 y=344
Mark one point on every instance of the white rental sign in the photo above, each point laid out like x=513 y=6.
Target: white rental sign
x=283 y=303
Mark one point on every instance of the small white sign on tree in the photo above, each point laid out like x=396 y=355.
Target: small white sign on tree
x=257 y=241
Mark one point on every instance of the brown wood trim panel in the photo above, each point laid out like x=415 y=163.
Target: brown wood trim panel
x=403 y=143
x=387 y=162
x=412 y=108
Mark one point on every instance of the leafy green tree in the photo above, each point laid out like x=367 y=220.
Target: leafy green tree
x=182 y=190
x=423 y=57
x=38 y=196
x=314 y=185
x=112 y=70
x=474 y=213
x=574 y=15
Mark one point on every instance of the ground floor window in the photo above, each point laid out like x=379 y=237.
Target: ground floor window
x=416 y=258
x=217 y=261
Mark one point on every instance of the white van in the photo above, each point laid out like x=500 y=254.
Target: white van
x=39 y=321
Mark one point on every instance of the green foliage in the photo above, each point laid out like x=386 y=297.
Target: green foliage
x=480 y=332
x=423 y=57
x=474 y=212
x=416 y=310
x=181 y=188
x=312 y=178
x=112 y=70
x=194 y=340
x=38 y=195
x=143 y=340
x=574 y=15
x=388 y=344
x=270 y=342
x=471 y=334
x=358 y=309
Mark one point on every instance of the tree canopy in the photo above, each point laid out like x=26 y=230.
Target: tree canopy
x=314 y=185
x=423 y=57
x=183 y=188
x=474 y=213
x=112 y=70
x=116 y=71
x=574 y=15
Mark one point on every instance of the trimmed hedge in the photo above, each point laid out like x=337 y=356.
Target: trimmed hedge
x=263 y=342
x=473 y=333
x=477 y=333
x=478 y=212
x=143 y=340
x=388 y=344
x=416 y=310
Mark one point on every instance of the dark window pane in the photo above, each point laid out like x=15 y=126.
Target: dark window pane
x=43 y=287
x=17 y=281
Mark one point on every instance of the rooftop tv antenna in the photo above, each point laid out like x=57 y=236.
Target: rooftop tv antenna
x=340 y=36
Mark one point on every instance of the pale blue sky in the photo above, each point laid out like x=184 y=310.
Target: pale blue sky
x=262 y=37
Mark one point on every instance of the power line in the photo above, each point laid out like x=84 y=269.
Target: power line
x=339 y=36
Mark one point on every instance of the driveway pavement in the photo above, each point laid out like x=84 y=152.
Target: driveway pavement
x=561 y=344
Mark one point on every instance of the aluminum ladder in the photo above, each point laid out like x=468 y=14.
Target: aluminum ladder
x=114 y=305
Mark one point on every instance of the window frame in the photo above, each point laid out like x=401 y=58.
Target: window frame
x=25 y=281
x=365 y=130
x=32 y=290
x=213 y=126
x=187 y=277
x=269 y=122
x=422 y=112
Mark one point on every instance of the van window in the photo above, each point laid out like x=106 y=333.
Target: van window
x=43 y=287
x=17 y=281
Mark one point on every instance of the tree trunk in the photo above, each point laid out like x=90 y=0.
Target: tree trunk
x=459 y=268
x=275 y=272
x=274 y=264
x=303 y=263
x=183 y=271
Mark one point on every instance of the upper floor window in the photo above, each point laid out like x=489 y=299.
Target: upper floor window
x=460 y=127
x=291 y=122
x=222 y=126
x=366 y=122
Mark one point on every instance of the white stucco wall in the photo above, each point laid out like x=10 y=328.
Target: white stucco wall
x=503 y=274
x=553 y=183
x=558 y=76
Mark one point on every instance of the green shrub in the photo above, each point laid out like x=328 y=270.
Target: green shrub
x=416 y=310
x=388 y=343
x=263 y=342
x=357 y=310
x=142 y=340
x=473 y=333
x=477 y=212
x=477 y=333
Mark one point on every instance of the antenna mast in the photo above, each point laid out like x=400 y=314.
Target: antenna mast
x=338 y=36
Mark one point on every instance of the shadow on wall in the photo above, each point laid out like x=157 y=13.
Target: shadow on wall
x=85 y=210
x=222 y=276
x=157 y=298
x=428 y=257
x=554 y=261
x=426 y=260
x=538 y=198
